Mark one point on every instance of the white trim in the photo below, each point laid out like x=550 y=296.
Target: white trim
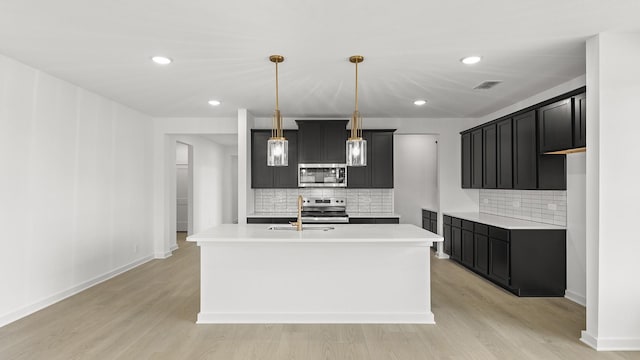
x=575 y=297
x=174 y=247
x=611 y=344
x=316 y=318
x=440 y=255
x=160 y=255
x=50 y=300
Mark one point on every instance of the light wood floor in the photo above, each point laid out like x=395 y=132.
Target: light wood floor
x=150 y=312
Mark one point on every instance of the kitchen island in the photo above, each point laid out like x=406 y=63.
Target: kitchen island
x=349 y=274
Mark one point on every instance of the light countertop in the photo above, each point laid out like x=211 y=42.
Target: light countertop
x=503 y=221
x=341 y=233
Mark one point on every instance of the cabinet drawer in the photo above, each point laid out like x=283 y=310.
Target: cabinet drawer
x=481 y=229
x=467 y=225
x=455 y=222
x=499 y=233
x=446 y=219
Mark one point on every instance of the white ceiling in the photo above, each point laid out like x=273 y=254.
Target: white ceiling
x=220 y=50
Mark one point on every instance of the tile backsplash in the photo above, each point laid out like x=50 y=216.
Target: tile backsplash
x=545 y=206
x=358 y=200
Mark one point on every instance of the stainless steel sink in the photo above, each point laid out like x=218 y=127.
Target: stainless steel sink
x=304 y=227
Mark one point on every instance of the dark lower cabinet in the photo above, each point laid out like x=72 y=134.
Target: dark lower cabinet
x=374 y=220
x=526 y=262
x=481 y=253
x=467 y=248
x=270 y=220
x=446 y=230
x=456 y=243
x=499 y=261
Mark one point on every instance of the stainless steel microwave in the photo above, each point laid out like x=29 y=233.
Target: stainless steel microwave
x=322 y=175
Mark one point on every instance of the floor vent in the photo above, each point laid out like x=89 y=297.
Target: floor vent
x=485 y=85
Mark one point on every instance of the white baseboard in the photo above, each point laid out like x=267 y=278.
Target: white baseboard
x=575 y=297
x=315 y=318
x=50 y=300
x=611 y=344
x=440 y=255
x=174 y=247
x=159 y=255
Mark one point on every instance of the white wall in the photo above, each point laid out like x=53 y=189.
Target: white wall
x=577 y=228
x=164 y=188
x=74 y=189
x=415 y=176
x=613 y=195
x=184 y=177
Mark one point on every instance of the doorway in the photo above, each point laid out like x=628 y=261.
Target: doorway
x=184 y=191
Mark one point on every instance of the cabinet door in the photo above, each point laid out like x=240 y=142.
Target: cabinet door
x=481 y=252
x=489 y=159
x=310 y=139
x=446 y=229
x=580 y=120
x=335 y=142
x=466 y=161
x=504 y=162
x=552 y=172
x=359 y=177
x=390 y=220
x=287 y=176
x=261 y=174
x=362 y=221
x=381 y=160
x=467 y=248
x=499 y=256
x=476 y=159
x=556 y=127
x=456 y=243
x=524 y=151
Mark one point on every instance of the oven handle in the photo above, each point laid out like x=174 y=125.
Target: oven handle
x=327 y=220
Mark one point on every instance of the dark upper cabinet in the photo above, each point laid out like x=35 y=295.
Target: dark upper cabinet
x=379 y=170
x=381 y=159
x=287 y=176
x=580 y=120
x=466 y=160
x=504 y=154
x=552 y=172
x=525 y=153
x=322 y=141
x=263 y=176
x=476 y=159
x=556 y=126
x=489 y=159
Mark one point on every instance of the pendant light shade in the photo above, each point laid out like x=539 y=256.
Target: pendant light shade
x=277 y=146
x=356 y=145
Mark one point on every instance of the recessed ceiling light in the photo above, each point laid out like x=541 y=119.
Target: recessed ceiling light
x=420 y=102
x=214 y=102
x=162 y=60
x=470 y=60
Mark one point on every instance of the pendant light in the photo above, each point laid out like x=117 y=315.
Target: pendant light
x=356 y=145
x=277 y=146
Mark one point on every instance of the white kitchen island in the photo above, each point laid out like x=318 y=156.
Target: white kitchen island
x=350 y=274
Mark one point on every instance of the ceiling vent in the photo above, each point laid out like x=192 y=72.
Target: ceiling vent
x=486 y=85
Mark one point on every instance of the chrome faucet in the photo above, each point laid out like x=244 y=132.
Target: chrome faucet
x=298 y=224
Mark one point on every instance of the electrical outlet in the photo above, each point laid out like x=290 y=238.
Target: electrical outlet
x=553 y=207
x=516 y=204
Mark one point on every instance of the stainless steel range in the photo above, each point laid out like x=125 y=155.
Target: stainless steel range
x=324 y=211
